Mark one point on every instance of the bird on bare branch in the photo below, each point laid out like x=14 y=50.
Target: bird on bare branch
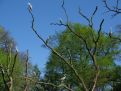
x=29 y=6
x=63 y=78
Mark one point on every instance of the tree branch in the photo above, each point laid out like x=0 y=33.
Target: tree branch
x=90 y=19
x=51 y=84
x=67 y=18
x=55 y=52
x=13 y=66
x=116 y=10
x=3 y=77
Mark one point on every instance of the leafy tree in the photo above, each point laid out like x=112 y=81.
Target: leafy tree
x=74 y=49
x=12 y=66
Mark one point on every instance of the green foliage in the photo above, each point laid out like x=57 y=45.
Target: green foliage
x=13 y=65
x=74 y=49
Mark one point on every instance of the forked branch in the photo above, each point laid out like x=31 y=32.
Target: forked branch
x=116 y=9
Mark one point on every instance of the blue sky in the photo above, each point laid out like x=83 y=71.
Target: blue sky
x=15 y=18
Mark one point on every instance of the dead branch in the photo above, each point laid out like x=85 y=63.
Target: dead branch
x=14 y=63
x=116 y=9
x=65 y=12
x=90 y=19
x=50 y=84
x=99 y=34
x=55 y=52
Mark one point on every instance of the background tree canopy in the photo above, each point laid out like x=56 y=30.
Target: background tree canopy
x=74 y=49
x=12 y=66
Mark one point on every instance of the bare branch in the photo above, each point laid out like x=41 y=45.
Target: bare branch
x=85 y=17
x=13 y=66
x=99 y=32
x=55 y=52
x=51 y=84
x=63 y=3
x=90 y=19
x=100 y=28
x=116 y=10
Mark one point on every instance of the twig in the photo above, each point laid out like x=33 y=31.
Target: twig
x=67 y=18
x=90 y=19
x=99 y=33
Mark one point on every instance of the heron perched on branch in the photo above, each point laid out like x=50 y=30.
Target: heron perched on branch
x=30 y=6
x=63 y=78
x=60 y=20
x=17 y=49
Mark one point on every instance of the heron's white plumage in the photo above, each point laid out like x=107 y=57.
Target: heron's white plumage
x=34 y=73
x=60 y=20
x=17 y=49
x=30 y=6
x=63 y=78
